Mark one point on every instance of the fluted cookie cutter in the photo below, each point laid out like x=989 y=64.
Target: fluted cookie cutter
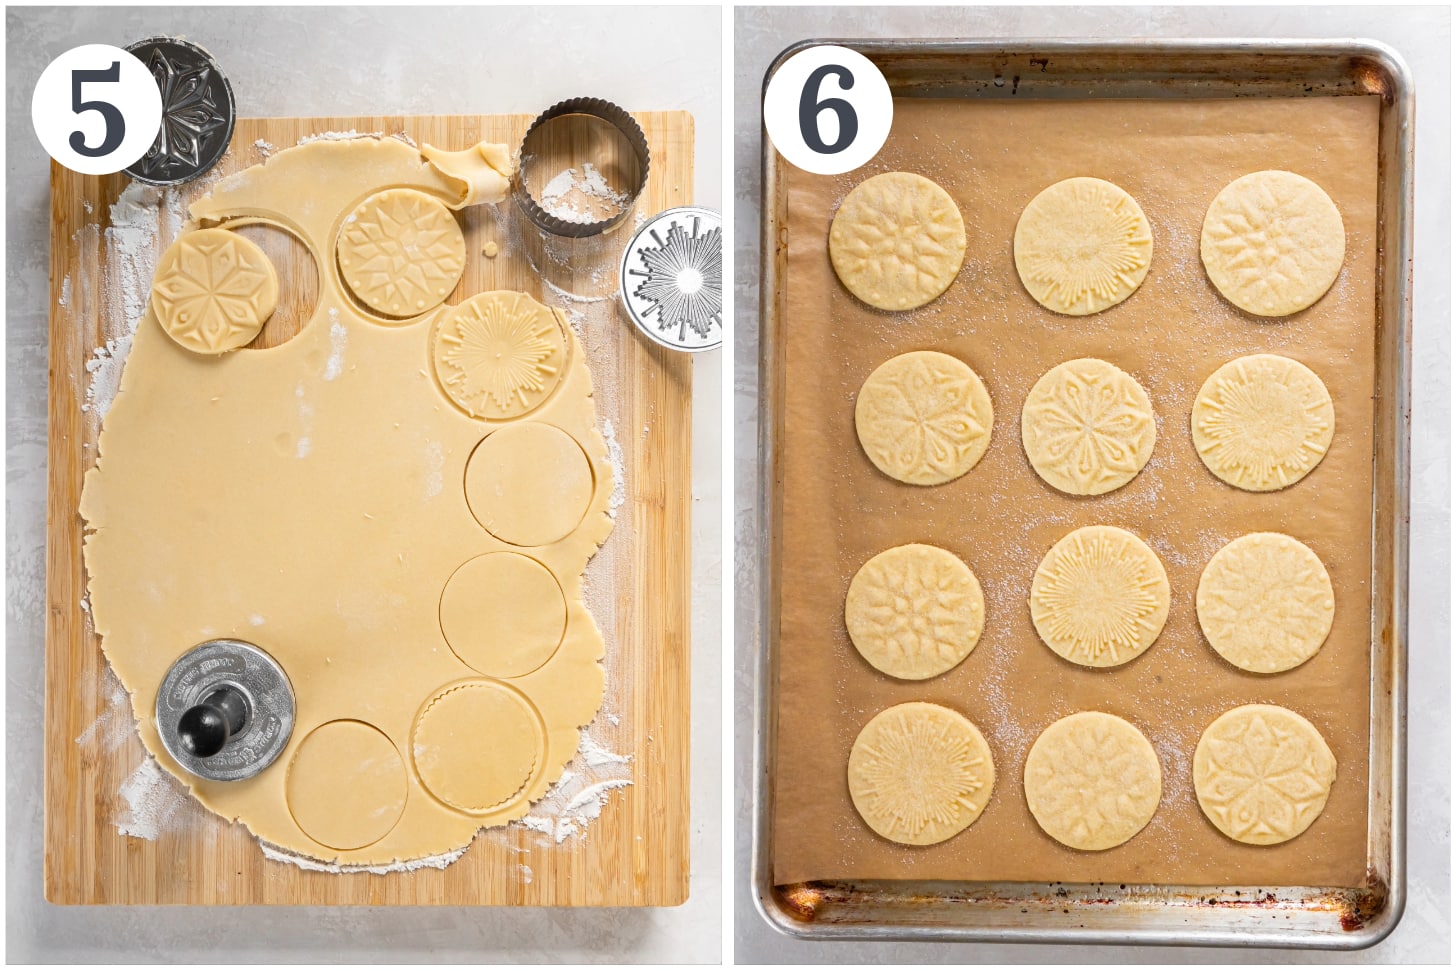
x=198 y=112
x=672 y=279
x=536 y=136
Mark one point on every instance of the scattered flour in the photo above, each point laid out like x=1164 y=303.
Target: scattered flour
x=577 y=198
x=579 y=796
x=338 y=136
x=152 y=797
x=338 y=339
x=438 y=862
x=66 y=291
x=116 y=723
x=434 y=470
x=265 y=148
x=619 y=468
x=402 y=136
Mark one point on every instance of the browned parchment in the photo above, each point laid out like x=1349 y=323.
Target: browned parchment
x=838 y=510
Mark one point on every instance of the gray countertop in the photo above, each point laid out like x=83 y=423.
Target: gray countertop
x=1423 y=38
x=341 y=61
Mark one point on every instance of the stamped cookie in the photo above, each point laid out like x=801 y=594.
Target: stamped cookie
x=914 y=611
x=1082 y=245
x=213 y=291
x=1262 y=774
x=923 y=418
x=1265 y=603
x=1273 y=243
x=897 y=241
x=920 y=773
x=500 y=354
x=401 y=252
x=1092 y=781
x=1262 y=422
x=1087 y=427
x=1100 y=597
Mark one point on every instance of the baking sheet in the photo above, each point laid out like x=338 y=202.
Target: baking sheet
x=838 y=510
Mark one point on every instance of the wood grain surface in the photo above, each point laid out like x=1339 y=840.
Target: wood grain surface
x=636 y=853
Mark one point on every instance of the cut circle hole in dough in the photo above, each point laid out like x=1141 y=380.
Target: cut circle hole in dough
x=476 y=746
x=528 y=484
x=213 y=290
x=1262 y=422
x=1082 y=245
x=1092 y=781
x=1273 y=243
x=897 y=241
x=1262 y=774
x=503 y=614
x=923 y=418
x=920 y=773
x=1087 y=427
x=914 y=611
x=346 y=785
x=500 y=354
x=1265 y=603
x=401 y=252
x=1100 y=597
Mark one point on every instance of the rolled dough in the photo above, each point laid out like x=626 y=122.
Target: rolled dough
x=897 y=241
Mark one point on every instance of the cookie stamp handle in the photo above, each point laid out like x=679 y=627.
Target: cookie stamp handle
x=205 y=728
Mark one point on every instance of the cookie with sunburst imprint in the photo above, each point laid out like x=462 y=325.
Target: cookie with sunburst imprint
x=1087 y=427
x=1092 y=781
x=1082 y=245
x=923 y=418
x=500 y=354
x=897 y=241
x=920 y=773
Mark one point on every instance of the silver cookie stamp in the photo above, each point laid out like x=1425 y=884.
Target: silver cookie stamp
x=672 y=279
x=198 y=112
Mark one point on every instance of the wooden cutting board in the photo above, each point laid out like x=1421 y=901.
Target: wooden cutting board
x=636 y=853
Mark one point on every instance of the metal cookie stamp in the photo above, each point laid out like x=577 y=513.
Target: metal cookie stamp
x=197 y=112
x=672 y=279
x=225 y=710
x=555 y=127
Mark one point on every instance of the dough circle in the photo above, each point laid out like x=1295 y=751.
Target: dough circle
x=1087 y=427
x=920 y=773
x=499 y=355
x=401 y=252
x=1092 y=781
x=528 y=484
x=503 y=614
x=897 y=241
x=1273 y=243
x=914 y=611
x=213 y=290
x=346 y=785
x=1262 y=774
x=1082 y=245
x=1262 y=422
x=476 y=746
x=1100 y=597
x=923 y=418
x=1265 y=603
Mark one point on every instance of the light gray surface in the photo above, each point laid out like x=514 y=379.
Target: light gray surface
x=1422 y=36
x=340 y=61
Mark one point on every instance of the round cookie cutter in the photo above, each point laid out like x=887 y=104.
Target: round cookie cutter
x=671 y=279
x=537 y=136
x=198 y=112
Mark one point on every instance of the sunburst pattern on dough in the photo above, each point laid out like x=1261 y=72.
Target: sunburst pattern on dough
x=401 y=252
x=1082 y=245
x=1265 y=602
x=500 y=354
x=1099 y=597
x=897 y=241
x=914 y=611
x=1262 y=774
x=213 y=291
x=1262 y=422
x=1092 y=781
x=1087 y=427
x=920 y=773
x=923 y=418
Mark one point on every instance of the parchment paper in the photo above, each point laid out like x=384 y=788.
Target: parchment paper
x=838 y=510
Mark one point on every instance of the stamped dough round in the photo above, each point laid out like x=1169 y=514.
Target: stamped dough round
x=1092 y=781
x=499 y=355
x=528 y=484
x=1082 y=245
x=214 y=290
x=1265 y=603
x=346 y=785
x=897 y=241
x=1099 y=597
x=1087 y=427
x=503 y=614
x=476 y=745
x=914 y=611
x=1273 y=243
x=1262 y=774
x=1262 y=422
x=923 y=418
x=401 y=252
x=920 y=773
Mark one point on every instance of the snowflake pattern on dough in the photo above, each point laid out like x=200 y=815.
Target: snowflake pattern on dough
x=500 y=354
x=1092 y=781
x=1265 y=603
x=923 y=418
x=401 y=252
x=1087 y=427
x=897 y=241
x=914 y=611
x=213 y=290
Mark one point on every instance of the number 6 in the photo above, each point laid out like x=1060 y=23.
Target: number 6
x=809 y=110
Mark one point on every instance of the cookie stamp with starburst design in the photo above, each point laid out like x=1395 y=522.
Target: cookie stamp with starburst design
x=401 y=252
x=499 y=355
x=1087 y=427
x=1265 y=603
x=1082 y=245
x=923 y=418
x=1092 y=781
x=914 y=611
x=214 y=290
x=897 y=241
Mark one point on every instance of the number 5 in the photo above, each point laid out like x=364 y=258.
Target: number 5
x=115 y=123
x=809 y=110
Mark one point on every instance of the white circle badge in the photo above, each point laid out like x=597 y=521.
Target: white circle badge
x=96 y=109
x=828 y=109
